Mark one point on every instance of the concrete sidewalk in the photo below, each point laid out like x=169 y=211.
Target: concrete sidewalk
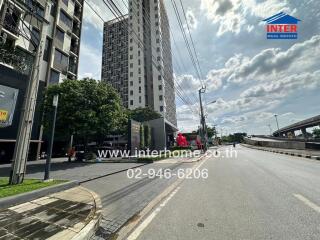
x=71 y=214
x=293 y=152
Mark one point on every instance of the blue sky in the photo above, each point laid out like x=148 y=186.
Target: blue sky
x=250 y=77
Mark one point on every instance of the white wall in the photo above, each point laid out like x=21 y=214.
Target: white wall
x=135 y=60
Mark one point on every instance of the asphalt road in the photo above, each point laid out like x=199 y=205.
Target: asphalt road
x=123 y=197
x=258 y=195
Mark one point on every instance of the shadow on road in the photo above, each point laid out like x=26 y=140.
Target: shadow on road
x=38 y=167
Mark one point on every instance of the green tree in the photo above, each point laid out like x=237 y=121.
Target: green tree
x=211 y=132
x=316 y=132
x=87 y=108
x=144 y=114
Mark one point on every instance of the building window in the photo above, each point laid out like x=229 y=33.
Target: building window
x=65 y=2
x=131 y=93
x=47 y=50
x=60 y=35
x=35 y=36
x=139 y=99
x=139 y=89
x=161 y=108
x=54 y=77
x=131 y=83
x=53 y=10
x=131 y=74
x=131 y=102
x=61 y=59
x=160 y=98
x=65 y=19
x=159 y=77
x=160 y=87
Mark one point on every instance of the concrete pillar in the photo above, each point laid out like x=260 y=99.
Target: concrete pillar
x=304 y=132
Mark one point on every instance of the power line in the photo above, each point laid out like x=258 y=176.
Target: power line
x=115 y=11
x=147 y=19
x=186 y=40
x=192 y=42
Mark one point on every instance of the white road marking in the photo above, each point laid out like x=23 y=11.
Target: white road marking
x=308 y=202
x=135 y=234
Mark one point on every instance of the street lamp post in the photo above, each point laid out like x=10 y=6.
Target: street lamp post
x=48 y=161
x=202 y=119
x=269 y=125
x=276 y=116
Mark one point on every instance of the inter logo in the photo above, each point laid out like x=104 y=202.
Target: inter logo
x=282 y=26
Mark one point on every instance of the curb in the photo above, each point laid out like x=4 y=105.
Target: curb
x=285 y=153
x=128 y=228
x=29 y=196
x=89 y=230
x=138 y=218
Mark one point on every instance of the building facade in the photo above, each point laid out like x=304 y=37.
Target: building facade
x=148 y=79
x=55 y=25
x=115 y=56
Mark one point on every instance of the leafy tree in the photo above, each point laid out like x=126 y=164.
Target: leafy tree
x=87 y=108
x=211 y=132
x=144 y=114
x=316 y=132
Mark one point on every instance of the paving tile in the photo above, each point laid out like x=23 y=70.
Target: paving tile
x=65 y=234
x=24 y=207
x=45 y=233
x=7 y=217
x=44 y=200
x=9 y=237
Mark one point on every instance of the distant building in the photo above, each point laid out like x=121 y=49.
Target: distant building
x=23 y=24
x=137 y=59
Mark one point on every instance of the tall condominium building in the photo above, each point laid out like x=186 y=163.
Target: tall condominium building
x=55 y=25
x=144 y=78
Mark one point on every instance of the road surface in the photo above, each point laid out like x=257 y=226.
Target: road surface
x=258 y=195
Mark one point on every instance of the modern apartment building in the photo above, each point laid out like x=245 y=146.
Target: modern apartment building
x=55 y=25
x=115 y=56
x=145 y=77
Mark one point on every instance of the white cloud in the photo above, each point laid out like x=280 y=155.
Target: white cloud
x=192 y=20
x=231 y=15
x=91 y=16
x=90 y=62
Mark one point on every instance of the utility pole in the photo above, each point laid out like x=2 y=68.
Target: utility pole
x=21 y=150
x=269 y=125
x=276 y=116
x=202 y=120
x=3 y=14
x=48 y=161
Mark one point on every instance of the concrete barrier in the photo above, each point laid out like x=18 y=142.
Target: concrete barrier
x=272 y=144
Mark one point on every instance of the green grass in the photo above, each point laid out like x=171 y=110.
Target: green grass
x=28 y=185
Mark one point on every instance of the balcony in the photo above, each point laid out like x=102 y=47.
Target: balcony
x=76 y=28
x=16 y=59
x=11 y=21
x=72 y=68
